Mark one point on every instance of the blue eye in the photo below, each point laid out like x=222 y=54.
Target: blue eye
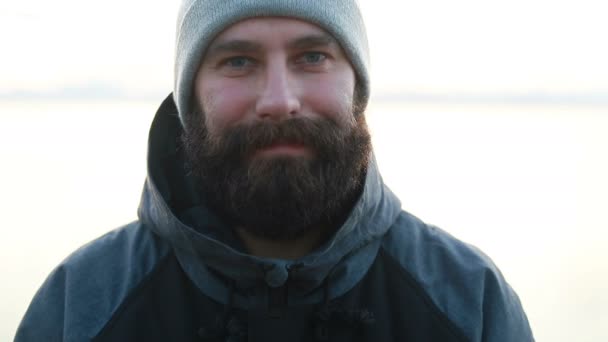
x=313 y=57
x=238 y=62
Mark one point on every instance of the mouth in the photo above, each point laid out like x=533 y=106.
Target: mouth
x=284 y=149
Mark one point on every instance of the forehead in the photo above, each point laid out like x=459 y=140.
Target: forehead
x=270 y=30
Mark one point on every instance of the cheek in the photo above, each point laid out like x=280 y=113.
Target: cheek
x=332 y=98
x=225 y=103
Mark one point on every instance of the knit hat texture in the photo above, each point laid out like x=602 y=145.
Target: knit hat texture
x=200 y=21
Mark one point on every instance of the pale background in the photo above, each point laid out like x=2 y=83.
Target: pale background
x=489 y=119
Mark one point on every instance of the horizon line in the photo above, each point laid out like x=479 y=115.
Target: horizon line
x=97 y=92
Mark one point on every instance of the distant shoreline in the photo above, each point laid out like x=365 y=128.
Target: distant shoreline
x=100 y=92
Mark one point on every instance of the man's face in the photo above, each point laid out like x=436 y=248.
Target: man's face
x=271 y=70
x=274 y=142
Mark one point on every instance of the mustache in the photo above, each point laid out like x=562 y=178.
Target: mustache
x=242 y=140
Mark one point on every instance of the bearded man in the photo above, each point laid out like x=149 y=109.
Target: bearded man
x=264 y=217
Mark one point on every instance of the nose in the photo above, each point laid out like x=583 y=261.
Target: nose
x=278 y=99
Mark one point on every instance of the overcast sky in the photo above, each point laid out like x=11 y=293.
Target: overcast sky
x=430 y=46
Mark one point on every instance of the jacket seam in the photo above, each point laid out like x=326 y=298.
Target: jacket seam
x=420 y=291
x=140 y=287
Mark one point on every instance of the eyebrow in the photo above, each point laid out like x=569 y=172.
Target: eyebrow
x=238 y=46
x=248 y=46
x=312 y=41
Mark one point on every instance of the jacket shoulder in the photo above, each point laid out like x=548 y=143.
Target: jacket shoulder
x=460 y=280
x=82 y=292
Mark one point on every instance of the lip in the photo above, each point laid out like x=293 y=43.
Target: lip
x=284 y=149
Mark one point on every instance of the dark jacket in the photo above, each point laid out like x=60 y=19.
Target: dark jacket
x=178 y=274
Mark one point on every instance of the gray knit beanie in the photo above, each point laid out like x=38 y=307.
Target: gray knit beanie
x=199 y=21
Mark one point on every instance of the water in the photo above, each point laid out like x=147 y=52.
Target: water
x=526 y=184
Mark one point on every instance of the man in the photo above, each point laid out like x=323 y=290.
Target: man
x=264 y=217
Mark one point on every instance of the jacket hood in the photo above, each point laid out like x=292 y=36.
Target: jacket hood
x=214 y=259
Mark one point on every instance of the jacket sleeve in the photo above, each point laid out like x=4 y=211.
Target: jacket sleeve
x=44 y=319
x=504 y=319
x=464 y=284
x=80 y=296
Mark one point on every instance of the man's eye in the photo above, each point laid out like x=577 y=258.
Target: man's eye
x=238 y=62
x=313 y=57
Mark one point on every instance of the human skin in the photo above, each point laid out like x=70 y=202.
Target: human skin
x=274 y=69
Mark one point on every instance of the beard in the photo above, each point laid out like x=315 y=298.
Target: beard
x=279 y=197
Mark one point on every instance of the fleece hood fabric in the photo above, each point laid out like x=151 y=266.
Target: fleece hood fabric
x=178 y=274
